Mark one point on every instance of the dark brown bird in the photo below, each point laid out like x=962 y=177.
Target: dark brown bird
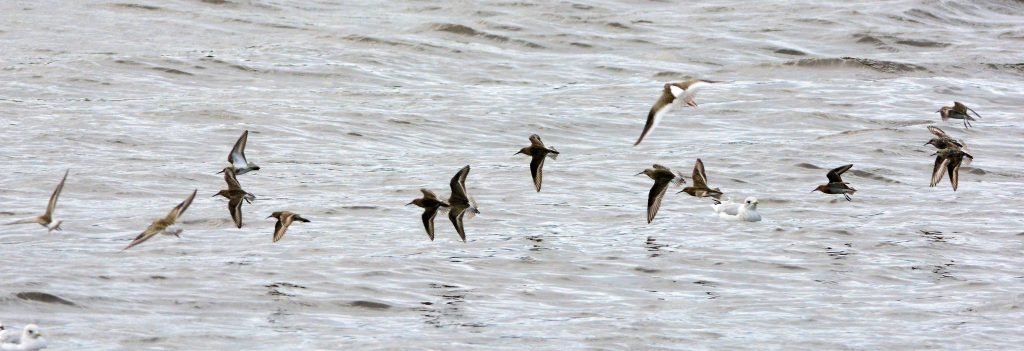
x=430 y=204
x=164 y=225
x=958 y=111
x=836 y=185
x=948 y=160
x=235 y=195
x=671 y=96
x=942 y=140
x=662 y=178
x=539 y=152
x=46 y=219
x=700 y=183
x=460 y=202
x=284 y=219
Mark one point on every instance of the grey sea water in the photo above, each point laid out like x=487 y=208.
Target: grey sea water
x=353 y=106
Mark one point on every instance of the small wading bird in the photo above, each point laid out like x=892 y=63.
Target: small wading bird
x=460 y=202
x=46 y=219
x=430 y=204
x=164 y=225
x=539 y=152
x=284 y=219
x=948 y=160
x=700 y=183
x=235 y=195
x=672 y=95
x=836 y=185
x=237 y=157
x=958 y=111
x=942 y=140
x=662 y=178
x=747 y=211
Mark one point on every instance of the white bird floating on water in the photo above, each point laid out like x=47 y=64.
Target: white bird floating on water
x=7 y=335
x=31 y=339
x=747 y=211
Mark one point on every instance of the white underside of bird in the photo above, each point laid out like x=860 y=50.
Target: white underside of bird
x=31 y=339
x=746 y=211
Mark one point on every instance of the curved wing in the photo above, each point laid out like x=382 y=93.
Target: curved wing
x=180 y=209
x=56 y=194
x=954 y=172
x=937 y=132
x=427 y=194
x=455 y=215
x=458 y=185
x=535 y=141
x=282 y=225
x=700 y=179
x=654 y=198
x=235 y=207
x=937 y=171
x=835 y=175
x=428 y=221
x=150 y=232
x=237 y=155
x=960 y=107
x=657 y=112
x=536 y=169
x=231 y=179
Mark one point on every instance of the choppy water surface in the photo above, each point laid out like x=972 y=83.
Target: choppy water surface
x=353 y=107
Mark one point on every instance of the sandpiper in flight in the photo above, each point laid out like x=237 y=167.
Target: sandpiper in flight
x=671 y=95
x=942 y=140
x=46 y=219
x=700 y=183
x=538 y=151
x=460 y=201
x=949 y=160
x=958 y=111
x=284 y=219
x=662 y=178
x=235 y=195
x=836 y=185
x=237 y=159
x=430 y=204
x=164 y=225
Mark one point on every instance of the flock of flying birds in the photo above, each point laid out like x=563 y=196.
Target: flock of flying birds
x=950 y=155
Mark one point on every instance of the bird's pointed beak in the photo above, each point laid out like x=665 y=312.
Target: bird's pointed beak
x=815 y=189
x=638 y=173
x=410 y=203
x=269 y=216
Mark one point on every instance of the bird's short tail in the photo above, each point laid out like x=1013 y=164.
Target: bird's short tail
x=553 y=154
